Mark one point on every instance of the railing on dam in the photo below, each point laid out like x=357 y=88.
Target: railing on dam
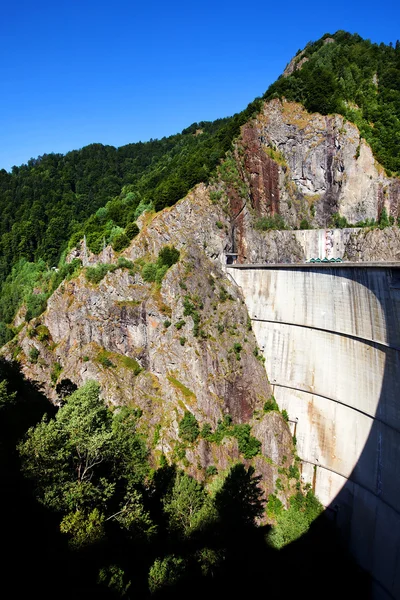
x=320 y=265
x=330 y=335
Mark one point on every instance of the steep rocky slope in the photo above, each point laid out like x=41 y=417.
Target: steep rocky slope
x=183 y=345
x=300 y=169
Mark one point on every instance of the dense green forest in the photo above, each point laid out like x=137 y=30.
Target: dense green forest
x=99 y=191
x=85 y=514
x=357 y=79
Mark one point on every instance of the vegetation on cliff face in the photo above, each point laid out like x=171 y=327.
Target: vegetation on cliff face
x=81 y=492
x=99 y=191
x=127 y=523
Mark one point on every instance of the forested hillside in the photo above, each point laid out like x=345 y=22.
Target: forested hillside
x=99 y=191
x=342 y=73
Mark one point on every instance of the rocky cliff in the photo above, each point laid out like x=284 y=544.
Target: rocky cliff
x=185 y=343
x=291 y=169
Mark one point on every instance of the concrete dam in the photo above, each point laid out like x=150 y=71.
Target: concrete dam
x=330 y=335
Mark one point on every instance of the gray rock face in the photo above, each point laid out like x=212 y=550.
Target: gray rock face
x=374 y=245
x=304 y=168
x=183 y=345
x=327 y=164
x=295 y=64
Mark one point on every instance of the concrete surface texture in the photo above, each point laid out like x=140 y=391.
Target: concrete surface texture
x=321 y=243
x=331 y=340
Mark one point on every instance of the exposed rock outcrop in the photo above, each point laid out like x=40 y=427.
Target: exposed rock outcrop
x=186 y=344
x=325 y=163
x=375 y=245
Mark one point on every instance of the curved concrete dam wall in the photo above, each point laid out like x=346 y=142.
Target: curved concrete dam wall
x=331 y=340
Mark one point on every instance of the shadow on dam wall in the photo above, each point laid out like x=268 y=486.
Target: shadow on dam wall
x=331 y=339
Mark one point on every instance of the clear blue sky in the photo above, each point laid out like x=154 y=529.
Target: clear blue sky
x=79 y=71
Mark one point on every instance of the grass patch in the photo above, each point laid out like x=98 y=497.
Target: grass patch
x=181 y=387
x=129 y=363
x=114 y=360
x=104 y=360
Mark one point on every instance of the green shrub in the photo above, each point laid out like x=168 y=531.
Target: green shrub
x=160 y=273
x=149 y=272
x=237 y=348
x=384 y=219
x=35 y=305
x=294 y=522
x=215 y=196
x=167 y=323
x=274 y=506
x=182 y=341
x=96 y=274
x=104 y=360
x=124 y=263
x=223 y=294
x=156 y=437
x=285 y=415
x=154 y=272
x=249 y=446
x=34 y=355
x=131 y=230
x=269 y=223
x=5 y=334
x=55 y=372
x=168 y=256
x=224 y=429
x=293 y=472
x=165 y=573
x=206 y=431
x=189 y=427
x=190 y=310
x=271 y=405
x=304 y=224
x=211 y=470
x=42 y=333
x=219 y=224
x=180 y=451
x=180 y=324
x=120 y=242
x=339 y=222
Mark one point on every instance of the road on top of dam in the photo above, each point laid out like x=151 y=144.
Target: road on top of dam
x=323 y=265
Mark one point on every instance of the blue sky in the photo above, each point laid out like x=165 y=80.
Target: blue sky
x=77 y=72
